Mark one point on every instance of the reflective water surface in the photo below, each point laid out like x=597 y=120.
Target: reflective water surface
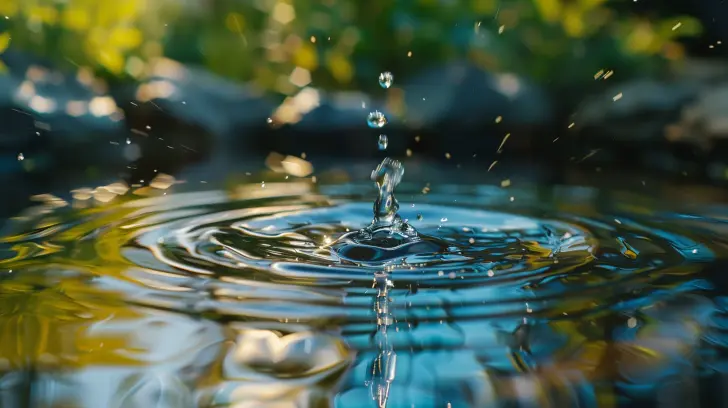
x=263 y=295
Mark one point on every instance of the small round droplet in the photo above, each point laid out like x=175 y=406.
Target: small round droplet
x=21 y=157
x=386 y=79
x=376 y=120
x=383 y=142
x=443 y=219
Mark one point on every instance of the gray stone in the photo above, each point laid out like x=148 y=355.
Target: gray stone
x=460 y=93
x=634 y=111
x=198 y=97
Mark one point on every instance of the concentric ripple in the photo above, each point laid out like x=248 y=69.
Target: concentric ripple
x=488 y=263
x=490 y=303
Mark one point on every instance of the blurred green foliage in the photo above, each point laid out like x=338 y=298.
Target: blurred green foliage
x=345 y=43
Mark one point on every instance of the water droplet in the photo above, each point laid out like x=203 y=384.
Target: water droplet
x=443 y=219
x=21 y=157
x=386 y=79
x=383 y=142
x=419 y=217
x=376 y=120
x=128 y=141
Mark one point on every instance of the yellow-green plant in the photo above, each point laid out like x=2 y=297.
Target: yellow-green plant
x=104 y=34
x=343 y=43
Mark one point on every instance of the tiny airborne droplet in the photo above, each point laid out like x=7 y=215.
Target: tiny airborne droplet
x=376 y=120
x=383 y=142
x=386 y=79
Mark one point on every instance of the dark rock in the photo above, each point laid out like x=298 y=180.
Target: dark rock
x=460 y=95
x=703 y=126
x=431 y=113
x=61 y=122
x=333 y=123
x=633 y=112
x=59 y=130
x=324 y=112
x=181 y=115
x=705 y=119
x=463 y=110
x=200 y=98
x=628 y=126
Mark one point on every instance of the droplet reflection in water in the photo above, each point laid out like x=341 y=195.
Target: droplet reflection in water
x=386 y=79
x=277 y=295
x=383 y=142
x=376 y=120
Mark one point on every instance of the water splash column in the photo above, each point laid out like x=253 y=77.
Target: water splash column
x=384 y=365
x=387 y=176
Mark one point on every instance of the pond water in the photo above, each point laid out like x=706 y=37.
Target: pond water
x=266 y=295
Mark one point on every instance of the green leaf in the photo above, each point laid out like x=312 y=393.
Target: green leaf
x=4 y=41
x=680 y=26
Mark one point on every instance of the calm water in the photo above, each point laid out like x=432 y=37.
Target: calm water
x=250 y=297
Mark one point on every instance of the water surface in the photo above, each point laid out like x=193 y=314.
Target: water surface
x=256 y=296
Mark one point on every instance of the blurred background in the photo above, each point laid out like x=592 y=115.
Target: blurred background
x=630 y=93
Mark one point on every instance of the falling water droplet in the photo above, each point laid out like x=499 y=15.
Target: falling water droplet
x=386 y=79
x=128 y=141
x=21 y=157
x=383 y=142
x=376 y=120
